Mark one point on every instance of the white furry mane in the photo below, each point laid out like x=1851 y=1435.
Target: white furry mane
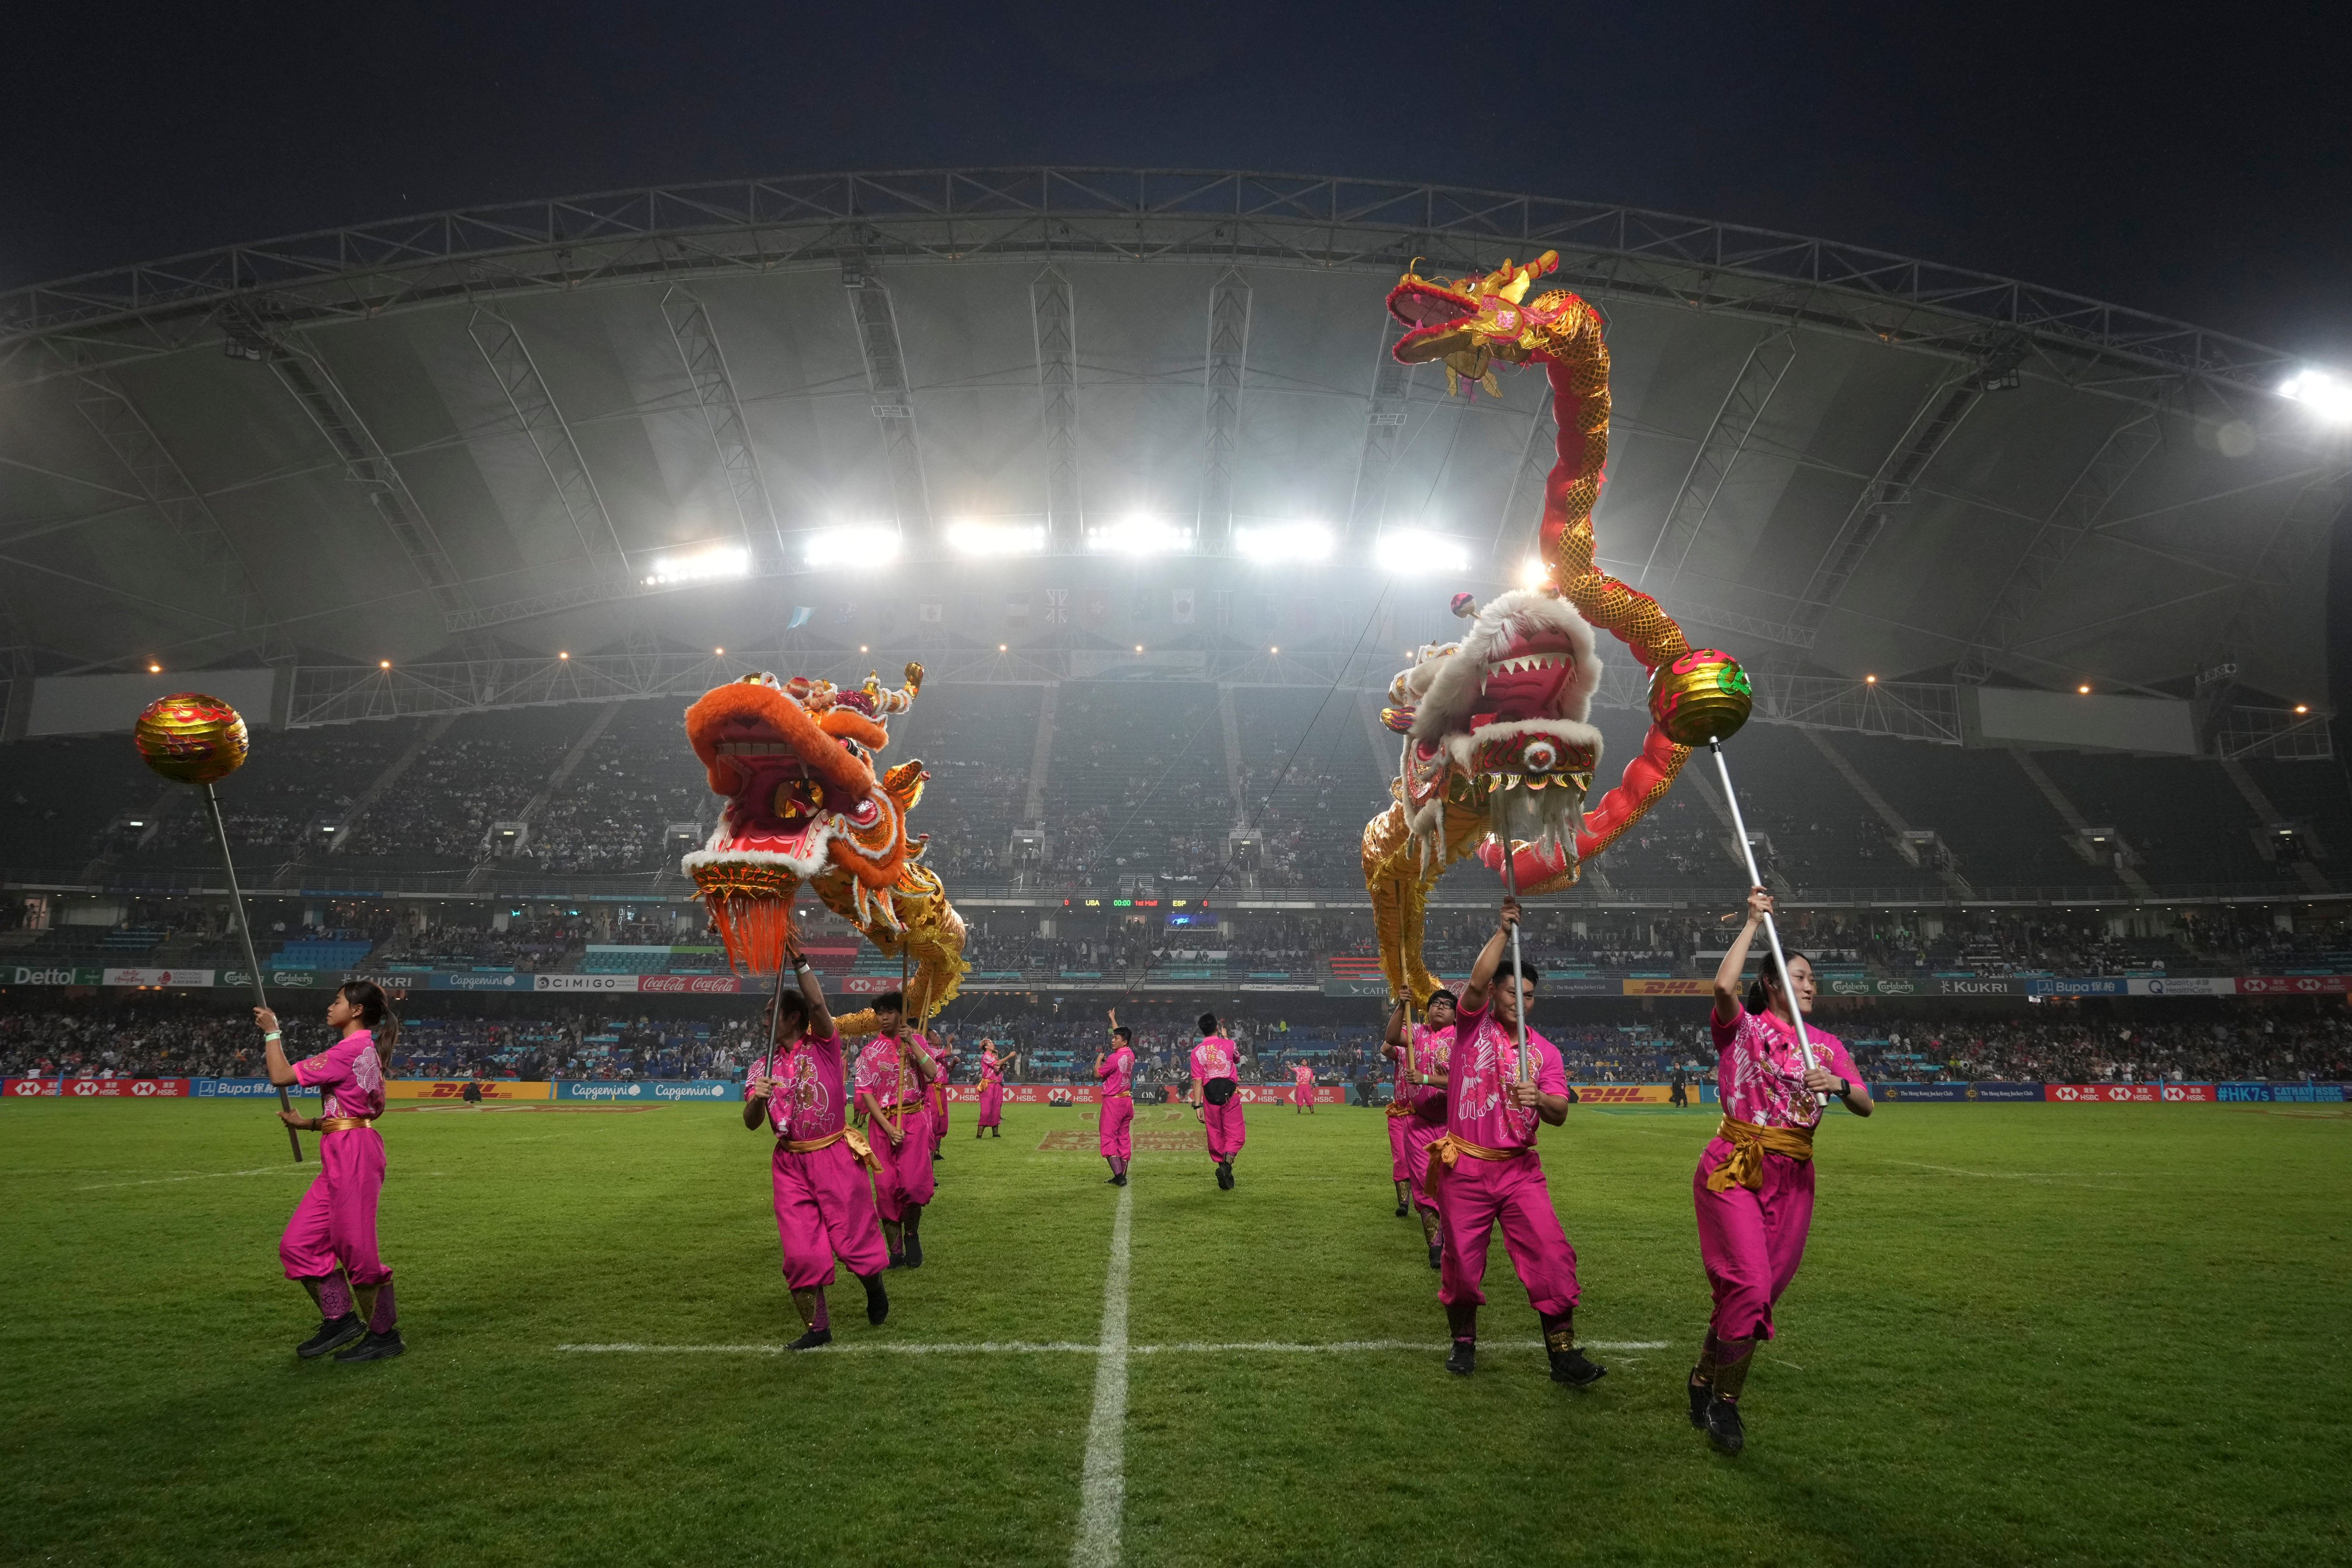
x=1446 y=690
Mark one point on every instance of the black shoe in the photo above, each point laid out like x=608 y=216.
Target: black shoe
x=375 y=1347
x=938 y=1154
x=1465 y=1359
x=1723 y=1428
x=811 y=1340
x=877 y=1299
x=1569 y=1367
x=914 y=1250
x=1119 y=1180
x=1700 y=1394
x=1436 y=1252
x=1226 y=1175
x=334 y=1334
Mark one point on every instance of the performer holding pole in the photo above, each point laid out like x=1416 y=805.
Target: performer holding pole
x=1485 y=1170
x=824 y=1208
x=1426 y=1057
x=1754 y=1186
x=891 y=1072
x=1755 y=880
x=330 y=1246
x=189 y=737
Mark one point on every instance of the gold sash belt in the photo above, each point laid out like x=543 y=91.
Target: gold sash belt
x=1444 y=1152
x=343 y=1123
x=858 y=1146
x=1749 y=1144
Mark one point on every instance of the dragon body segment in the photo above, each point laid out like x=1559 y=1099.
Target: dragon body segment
x=1498 y=752
x=808 y=805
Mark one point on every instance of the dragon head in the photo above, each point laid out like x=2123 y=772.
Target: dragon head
x=1502 y=717
x=796 y=761
x=1473 y=322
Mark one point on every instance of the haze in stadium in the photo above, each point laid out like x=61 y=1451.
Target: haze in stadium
x=768 y=783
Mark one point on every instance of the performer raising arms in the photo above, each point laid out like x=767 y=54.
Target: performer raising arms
x=1302 y=1087
x=825 y=1209
x=891 y=1072
x=330 y=1243
x=1417 y=1107
x=1754 y=1185
x=1217 y=1097
x=1485 y=1169
x=992 y=1093
x=1115 y=1126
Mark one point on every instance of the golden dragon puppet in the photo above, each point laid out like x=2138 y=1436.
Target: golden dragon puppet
x=807 y=805
x=1499 y=752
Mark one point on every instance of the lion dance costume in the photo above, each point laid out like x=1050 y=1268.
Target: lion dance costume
x=805 y=803
x=1499 y=746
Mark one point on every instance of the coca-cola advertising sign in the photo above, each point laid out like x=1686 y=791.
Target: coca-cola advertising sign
x=690 y=985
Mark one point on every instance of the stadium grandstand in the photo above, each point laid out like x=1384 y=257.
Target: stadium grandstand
x=463 y=510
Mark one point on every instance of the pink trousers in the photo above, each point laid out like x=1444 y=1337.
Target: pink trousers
x=824 y=1210
x=1751 y=1242
x=1115 y=1132
x=1301 y=1095
x=1419 y=1134
x=1477 y=1195
x=938 y=1099
x=991 y=1105
x=1400 y=1169
x=1227 y=1131
x=335 y=1221
x=905 y=1176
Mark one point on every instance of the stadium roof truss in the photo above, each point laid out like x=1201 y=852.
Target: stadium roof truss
x=1825 y=507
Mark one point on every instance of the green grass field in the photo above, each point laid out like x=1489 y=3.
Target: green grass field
x=2024 y=1334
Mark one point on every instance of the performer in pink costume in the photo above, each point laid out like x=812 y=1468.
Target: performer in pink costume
x=1302 y=1087
x=943 y=1050
x=1754 y=1185
x=1217 y=1095
x=1115 y=1126
x=892 y=1072
x=825 y=1206
x=1417 y=1109
x=992 y=1093
x=1485 y=1170
x=330 y=1243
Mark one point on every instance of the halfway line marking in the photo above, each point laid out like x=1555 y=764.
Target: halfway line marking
x=1102 y=1489
x=1074 y=1347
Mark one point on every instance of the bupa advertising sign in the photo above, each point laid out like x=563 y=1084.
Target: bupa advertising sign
x=232 y=1089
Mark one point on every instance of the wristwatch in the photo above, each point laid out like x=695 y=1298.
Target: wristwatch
x=1845 y=1088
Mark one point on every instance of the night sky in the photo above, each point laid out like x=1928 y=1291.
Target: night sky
x=2196 y=163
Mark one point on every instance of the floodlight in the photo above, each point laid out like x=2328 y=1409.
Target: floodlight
x=1533 y=573
x=2324 y=395
x=1138 y=536
x=1404 y=550
x=703 y=565
x=870 y=544
x=968 y=536
x=1270 y=544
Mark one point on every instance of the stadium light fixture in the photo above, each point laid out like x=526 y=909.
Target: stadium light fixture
x=155 y=669
x=1001 y=647
x=561 y=655
x=1276 y=649
x=1138 y=536
x=1274 y=544
x=383 y=664
x=872 y=544
x=2081 y=691
x=719 y=653
x=989 y=541
x=702 y=566
x=1533 y=573
x=1870 y=680
x=2324 y=395
x=2303 y=707
x=1404 y=550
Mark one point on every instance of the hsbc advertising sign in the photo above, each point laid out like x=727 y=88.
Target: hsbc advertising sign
x=2293 y=985
x=125 y=1087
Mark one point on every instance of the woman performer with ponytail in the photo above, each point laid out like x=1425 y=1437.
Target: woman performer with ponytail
x=330 y=1243
x=1754 y=1186
x=1417 y=1112
x=991 y=1092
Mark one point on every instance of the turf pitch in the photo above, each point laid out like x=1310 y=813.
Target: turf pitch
x=2022 y=1334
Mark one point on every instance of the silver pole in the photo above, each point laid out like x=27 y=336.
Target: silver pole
x=1772 y=931
x=245 y=934
x=1519 y=992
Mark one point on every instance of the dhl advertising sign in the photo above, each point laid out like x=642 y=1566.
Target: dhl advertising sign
x=1629 y=1093
x=1669 y=987
x=455 y=1088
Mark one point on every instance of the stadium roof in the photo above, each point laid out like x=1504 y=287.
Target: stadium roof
x=487 y=429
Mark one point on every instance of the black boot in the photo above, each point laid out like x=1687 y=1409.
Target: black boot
x=1462 y=1321
x=1226 y=1175
x=334 y=1334
x=1701 y=1394
x=1568 y=1364
x=914 y=1235
x=1404 y=1201
x=811 y=1340
x=1723 y=1428
x=1437 y=1255
x=877 y=1299
x=374 y=1347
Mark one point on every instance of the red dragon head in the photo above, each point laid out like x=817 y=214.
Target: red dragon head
x=804 y=803
x=1473 y=322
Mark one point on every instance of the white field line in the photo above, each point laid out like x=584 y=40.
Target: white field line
x=205 y=1176
x=1102 y=1489
x=2073 y=1178
x=1074 y=1347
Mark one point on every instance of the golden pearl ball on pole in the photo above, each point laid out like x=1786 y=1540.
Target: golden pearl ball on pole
x=1700 y=696
x=189 y=737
